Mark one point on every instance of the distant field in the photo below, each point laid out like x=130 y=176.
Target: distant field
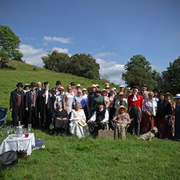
x=86 y=158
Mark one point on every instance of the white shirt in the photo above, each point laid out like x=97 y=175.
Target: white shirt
x=93 y=118
x=46 y=96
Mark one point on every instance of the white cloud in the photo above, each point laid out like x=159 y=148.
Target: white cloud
x=104 y=54
x=45 y=44
x=28 y=50
x=60 y=50
x=112 y=70
x=29 y=38
x=59 y=39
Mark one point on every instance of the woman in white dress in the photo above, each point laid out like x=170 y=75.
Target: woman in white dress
x=68 y=99
x=78 y=126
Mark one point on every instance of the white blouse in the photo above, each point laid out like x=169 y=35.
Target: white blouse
x=76 y=115
x=148 y=105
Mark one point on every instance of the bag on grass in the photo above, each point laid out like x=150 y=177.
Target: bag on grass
x=8 y=160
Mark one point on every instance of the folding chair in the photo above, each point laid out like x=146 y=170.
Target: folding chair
x=3 y=117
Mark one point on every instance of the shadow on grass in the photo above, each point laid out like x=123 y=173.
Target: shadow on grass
x=5 y=66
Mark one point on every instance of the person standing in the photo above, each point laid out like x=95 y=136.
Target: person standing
x=58 y=86
x=79 y=98
x=73 y=89
x=39 y=103
x=31 y=106
x=47 y=106
x=17 y=104
x=143 y=90
x=135 y=102
x=164 y=112
x=177 y=117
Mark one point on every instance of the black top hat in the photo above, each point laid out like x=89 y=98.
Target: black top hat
x=19 y=84
x=45 y=83
x=72 y=84
x=100 y=103
x=58 y=82
x=156 y=89
x=135 y=87
x=33 y=84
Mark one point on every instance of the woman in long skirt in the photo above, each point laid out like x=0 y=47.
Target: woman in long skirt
x=177 y=117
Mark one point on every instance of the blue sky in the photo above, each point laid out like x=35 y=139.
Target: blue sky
x=111 y=31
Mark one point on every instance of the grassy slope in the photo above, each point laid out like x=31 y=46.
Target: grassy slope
x=87 y=158
x=25 y=73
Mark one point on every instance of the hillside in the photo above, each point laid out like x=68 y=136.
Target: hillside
x=16 y=71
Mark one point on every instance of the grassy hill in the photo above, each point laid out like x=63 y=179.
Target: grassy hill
x=16 y=71
x=86 y=158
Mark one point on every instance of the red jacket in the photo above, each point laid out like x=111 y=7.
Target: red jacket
x=137 y=103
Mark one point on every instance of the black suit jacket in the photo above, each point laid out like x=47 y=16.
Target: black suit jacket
x=13 y=102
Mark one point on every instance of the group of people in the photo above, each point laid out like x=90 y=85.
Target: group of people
x=83 y=111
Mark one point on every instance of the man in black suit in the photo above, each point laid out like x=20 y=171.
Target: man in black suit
x=39 y=103
x=17 y=104
x=31 y=106
x=48 y=99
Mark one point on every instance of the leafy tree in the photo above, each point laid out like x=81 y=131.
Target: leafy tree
x=58 y=62
x=9 y=44
x=171 y=77
x=143 y=72
x=137 y=76
x=84 y=65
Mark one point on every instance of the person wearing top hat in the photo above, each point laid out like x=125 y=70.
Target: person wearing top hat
x=99 y=118
x=73 y=89
x=39 y=103
x=135 y=102
x=58 y=85
x=143 y=90
x=31 y=106
x=177 y=117
x=48 y=99
x=17 y=104
x=98 y=98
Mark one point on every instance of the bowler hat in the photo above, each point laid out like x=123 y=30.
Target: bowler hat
x=98 y=90
x=72 y=84
x=45 y=83
x=19 y=84
x=100 y=103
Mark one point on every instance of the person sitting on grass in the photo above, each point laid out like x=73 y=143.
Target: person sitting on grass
x=61 y=122
x=121 y=120
x=99 y=118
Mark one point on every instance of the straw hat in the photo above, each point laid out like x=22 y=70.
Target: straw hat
x=104 y=90
x=118 y=109
x=93 y=86
x=120 y=94
x=82 y=122
x=84 y=89
x=78 y=85
x=128 y=89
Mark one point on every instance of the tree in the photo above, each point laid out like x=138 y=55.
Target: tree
x=139 y=72
x=137 y=76
x=84 y=65
x=58 y=62
x=9 y=44
x=171 y=77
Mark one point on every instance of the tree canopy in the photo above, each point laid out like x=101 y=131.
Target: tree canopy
x=9 y=44
x=139 y=72
x=79 y=64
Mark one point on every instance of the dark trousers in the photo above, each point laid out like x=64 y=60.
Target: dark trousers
x=47 y=119
x=32 y=118
x=135 y=113
x=19 y=113
x=93 y=123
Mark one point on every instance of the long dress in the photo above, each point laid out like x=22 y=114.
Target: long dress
x=164 y=129
x=75 y=128
x=177 y=122
x=171 y=119
x=69 y=101
x=148 y=122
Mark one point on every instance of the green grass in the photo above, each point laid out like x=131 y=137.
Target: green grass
x=86 y=158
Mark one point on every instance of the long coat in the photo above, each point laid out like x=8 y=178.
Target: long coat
x=95 y=101
x=13 y=102
x=39 y=101
x=28 y=103
x=50 y=103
